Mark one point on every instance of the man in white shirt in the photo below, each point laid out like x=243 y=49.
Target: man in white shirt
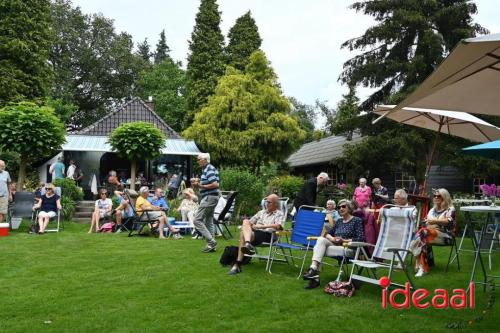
x=259 y=229
x=70 y=173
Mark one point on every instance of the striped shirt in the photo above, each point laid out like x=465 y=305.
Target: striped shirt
x=209 y=175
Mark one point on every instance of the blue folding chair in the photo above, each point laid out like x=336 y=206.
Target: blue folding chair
x=308 y=224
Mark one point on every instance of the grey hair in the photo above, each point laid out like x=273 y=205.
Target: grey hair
x=204 y=156
x=144 y=189
x=331 y=202
x=362 y=179
x=402 y=194
x=323 y=175
x=348 y=203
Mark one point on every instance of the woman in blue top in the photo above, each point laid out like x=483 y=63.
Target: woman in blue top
x=348 y=228
x=331 y=216
x=49 y=203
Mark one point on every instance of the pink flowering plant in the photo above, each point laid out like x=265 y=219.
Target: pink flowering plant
x=490 y=190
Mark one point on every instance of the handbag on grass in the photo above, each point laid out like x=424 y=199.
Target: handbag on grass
x=339 y=289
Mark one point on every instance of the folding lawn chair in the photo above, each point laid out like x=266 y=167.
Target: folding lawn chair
x=396 y=233
x=308 y=224
x=137 y=222
x=22 y=207
x=128 y=221
x=283 y=207
x=221 y=222
x=59 y=224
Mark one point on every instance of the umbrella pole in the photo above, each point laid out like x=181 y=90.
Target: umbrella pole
x=428 y=169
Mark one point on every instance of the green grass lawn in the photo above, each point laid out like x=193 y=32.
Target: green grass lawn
x=75 y=282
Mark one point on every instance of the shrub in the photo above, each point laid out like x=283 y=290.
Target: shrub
x=69 y=189
x=68 y=207
x=250 y=190
x=285 y=186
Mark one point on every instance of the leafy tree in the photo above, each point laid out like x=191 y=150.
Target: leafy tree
x=305 y=116
x=137 y=141
x=165 y=82
x=347 y=115
x=244 y=39
x=144 y=51
x=25 y=38
x=162 y=49
x=94 y=67
x=249 y=187
x=247 y=121
x=408 y=42
x=206 y=59
x=62 y=110
x=31 y=131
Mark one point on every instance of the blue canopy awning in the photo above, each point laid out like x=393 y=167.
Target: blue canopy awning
x=100 y=143
x=488 y=149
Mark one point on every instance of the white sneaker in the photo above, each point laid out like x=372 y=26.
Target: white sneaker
x=420 y=272
x=178 y=236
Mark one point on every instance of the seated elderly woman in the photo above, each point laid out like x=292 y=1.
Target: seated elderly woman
x=188 y=207
x=347 y=228
x=48 y=203
x=331 y=216
x=154 y=213
x=437 y=230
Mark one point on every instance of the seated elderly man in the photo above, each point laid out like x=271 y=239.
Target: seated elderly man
x=259 y=229
x=401 y=199
x=154 y=213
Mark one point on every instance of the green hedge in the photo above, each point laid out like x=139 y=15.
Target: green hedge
x=285 y=186
x=249 y=187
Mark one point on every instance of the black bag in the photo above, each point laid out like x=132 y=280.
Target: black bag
x=230 y=255
x=34 y=228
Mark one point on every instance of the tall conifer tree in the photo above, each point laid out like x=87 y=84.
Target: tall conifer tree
x=25 y=39
x=144 y=51
x=206 y=58
x=244 y=39
x=162 y=49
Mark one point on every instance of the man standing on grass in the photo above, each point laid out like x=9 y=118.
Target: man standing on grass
x=209 y=191
x=4 y=190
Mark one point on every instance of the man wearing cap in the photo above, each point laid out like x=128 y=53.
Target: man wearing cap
x=209 y=191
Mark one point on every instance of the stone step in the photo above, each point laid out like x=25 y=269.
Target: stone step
x=84 y=209
x=82 y=220
x=85 y=204
x=83 y=214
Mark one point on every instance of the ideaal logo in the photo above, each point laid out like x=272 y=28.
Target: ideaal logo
x=440 y=299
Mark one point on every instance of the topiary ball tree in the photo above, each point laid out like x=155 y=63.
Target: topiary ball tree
x=32 y=131
x=137 y=141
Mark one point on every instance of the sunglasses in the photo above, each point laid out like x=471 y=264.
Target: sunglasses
x=49 y=188
x=343 y=206
x=437 y=196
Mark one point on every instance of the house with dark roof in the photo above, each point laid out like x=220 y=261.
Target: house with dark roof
x=93 y=154
x=318 y=156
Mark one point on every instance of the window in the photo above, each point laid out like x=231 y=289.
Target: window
x=332 y=174
x=407 y=181
x=476 y=182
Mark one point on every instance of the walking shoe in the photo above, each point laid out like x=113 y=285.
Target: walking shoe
x=234 y=270
x=311 y=274
x=312 y=284
x=420 y=272
x=211 y=247
x=178 y=236
x=118 y=230
x=248 y=249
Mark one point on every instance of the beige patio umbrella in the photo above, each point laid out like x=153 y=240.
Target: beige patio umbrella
x=459 y=124
x=468 y=80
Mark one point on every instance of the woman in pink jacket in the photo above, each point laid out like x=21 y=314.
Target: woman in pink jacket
x=362 y=194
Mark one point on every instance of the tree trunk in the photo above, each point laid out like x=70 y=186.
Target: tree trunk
x=22 y=172
x=133 y=166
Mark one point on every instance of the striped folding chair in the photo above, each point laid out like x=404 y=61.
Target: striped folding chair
x=396 y=233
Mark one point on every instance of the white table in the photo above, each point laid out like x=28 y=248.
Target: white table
x=471 y=202
x=476 y=242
